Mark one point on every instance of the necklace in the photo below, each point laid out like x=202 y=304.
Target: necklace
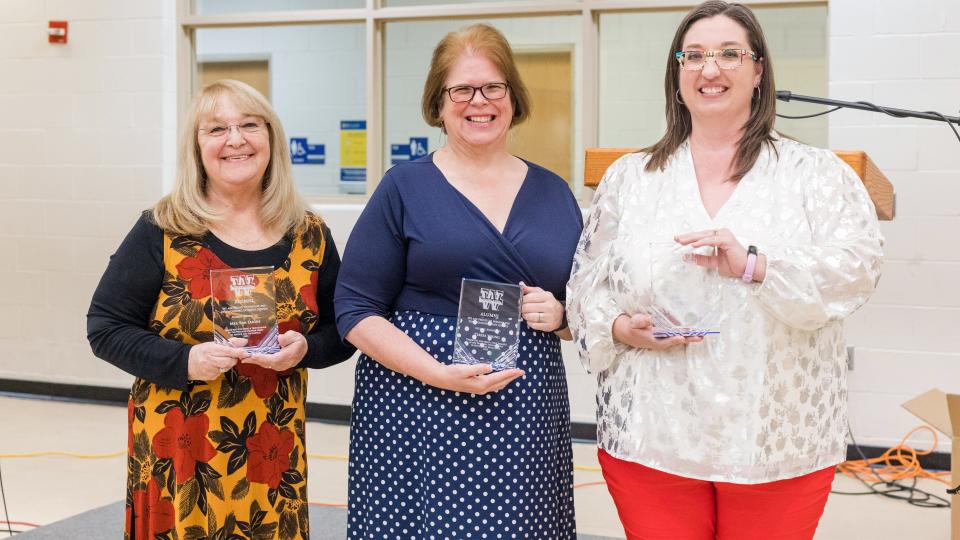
x=234 y=240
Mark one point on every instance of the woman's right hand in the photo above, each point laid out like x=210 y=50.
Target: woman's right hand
x=637 y=331
x=472 y=379
x=207 y=361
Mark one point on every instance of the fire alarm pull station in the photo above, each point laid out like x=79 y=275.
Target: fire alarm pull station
x=57 y=32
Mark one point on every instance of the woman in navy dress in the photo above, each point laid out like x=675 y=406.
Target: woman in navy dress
x=438 y=450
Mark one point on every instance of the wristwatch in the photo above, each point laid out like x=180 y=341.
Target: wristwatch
x=751 y=264
x=563 y=322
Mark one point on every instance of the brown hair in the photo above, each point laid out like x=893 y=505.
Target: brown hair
x=186 y=211
x=484 y=40
x=762 y=108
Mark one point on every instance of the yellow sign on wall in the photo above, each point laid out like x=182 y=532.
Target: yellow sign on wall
x=353 y=150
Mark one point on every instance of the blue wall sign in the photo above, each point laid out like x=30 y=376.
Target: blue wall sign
x=418 y=147
x=303 y=153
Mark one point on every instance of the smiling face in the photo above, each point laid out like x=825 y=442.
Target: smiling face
x=238 y=158
x=712 y=92
x=480 y=122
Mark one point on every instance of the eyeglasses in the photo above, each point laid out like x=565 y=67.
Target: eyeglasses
x=246 y=128
x=465 y=93
x=725 y=58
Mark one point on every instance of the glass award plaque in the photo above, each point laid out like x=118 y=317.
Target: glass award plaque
x=685 y=298
x=488 y=324
x=245 y=307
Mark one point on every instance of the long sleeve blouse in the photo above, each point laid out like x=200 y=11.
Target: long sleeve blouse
x=120 y=311
x=765 y=399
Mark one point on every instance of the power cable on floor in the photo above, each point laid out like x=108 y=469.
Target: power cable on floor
x=6 y=513
x=78 y=455
x=887 y=474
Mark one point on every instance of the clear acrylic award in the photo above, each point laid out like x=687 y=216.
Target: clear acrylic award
x=245 y=308
x=488 y=324
x=685 y=298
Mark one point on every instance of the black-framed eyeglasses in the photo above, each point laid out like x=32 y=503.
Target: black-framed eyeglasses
x=725 y=58
x=464 y=92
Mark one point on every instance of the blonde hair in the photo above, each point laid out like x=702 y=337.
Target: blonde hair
x=186 y=210
x=484 y=40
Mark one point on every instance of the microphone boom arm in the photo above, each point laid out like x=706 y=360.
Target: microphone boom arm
x=786 y=95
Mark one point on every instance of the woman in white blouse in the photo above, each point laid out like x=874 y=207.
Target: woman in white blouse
x=734 y=435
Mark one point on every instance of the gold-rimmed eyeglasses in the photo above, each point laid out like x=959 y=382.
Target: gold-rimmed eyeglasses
x=725 y=58
x=464 y=92
x=244 y=128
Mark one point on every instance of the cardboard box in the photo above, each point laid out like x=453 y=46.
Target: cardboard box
x=942 y=411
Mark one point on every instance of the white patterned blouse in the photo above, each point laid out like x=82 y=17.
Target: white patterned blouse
x=765 y=399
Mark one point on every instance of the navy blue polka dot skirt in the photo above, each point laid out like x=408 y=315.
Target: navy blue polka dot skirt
x=427 y=463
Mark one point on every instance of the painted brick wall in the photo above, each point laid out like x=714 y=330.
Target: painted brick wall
x=86 y=133
x=86 y=141
x=893 y=54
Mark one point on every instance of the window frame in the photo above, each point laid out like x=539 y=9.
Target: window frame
x=374 y=16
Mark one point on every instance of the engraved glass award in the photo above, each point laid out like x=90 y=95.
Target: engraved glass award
x=245 y=307
x=488 y=324
x=685 y=298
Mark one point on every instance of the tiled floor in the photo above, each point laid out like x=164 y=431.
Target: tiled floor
x=42 y=490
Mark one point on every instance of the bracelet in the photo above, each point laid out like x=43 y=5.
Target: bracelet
x=563 y=322
x=751 y=264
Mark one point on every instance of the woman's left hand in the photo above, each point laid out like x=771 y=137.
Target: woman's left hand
x=540 y=309
x=293 y=347
x=731 y=257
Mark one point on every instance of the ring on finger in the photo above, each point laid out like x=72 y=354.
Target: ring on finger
x=539 y=317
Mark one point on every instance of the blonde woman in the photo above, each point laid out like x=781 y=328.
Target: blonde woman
x=216 y=438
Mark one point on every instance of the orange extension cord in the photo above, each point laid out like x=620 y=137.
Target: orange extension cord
x=898 y=463
x=901 y=462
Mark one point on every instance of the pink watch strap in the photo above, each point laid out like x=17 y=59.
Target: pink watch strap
x=751 y=264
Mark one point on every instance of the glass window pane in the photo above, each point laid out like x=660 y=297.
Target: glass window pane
x=223 y=7
x=547 y=51
x=395 y=3
x=314 y=76
x=633 y=53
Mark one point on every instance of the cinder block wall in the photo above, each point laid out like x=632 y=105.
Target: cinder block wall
x=86 y=138
x=87 y=141
x=893 y=54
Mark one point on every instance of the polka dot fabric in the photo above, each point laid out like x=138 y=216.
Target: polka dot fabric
x=427 y=463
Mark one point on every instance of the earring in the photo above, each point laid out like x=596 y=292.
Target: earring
x=757 y=88
x=680 y=101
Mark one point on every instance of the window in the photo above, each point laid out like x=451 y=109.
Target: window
x=314 y=77
x=545 y=49
x=346 y=76
x=222 y=7
x=633 y=51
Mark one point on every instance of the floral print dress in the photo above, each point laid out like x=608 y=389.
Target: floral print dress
x=227 y=458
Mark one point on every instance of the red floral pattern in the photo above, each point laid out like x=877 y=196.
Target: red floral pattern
x=269 y=454
x=154 y=513
x=309 y=292
x=264 y=380
x=293 y=323
x=237 y=433
x=184 y=440
x=196 y=271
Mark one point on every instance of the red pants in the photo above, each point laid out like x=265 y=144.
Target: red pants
x=655 y=505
